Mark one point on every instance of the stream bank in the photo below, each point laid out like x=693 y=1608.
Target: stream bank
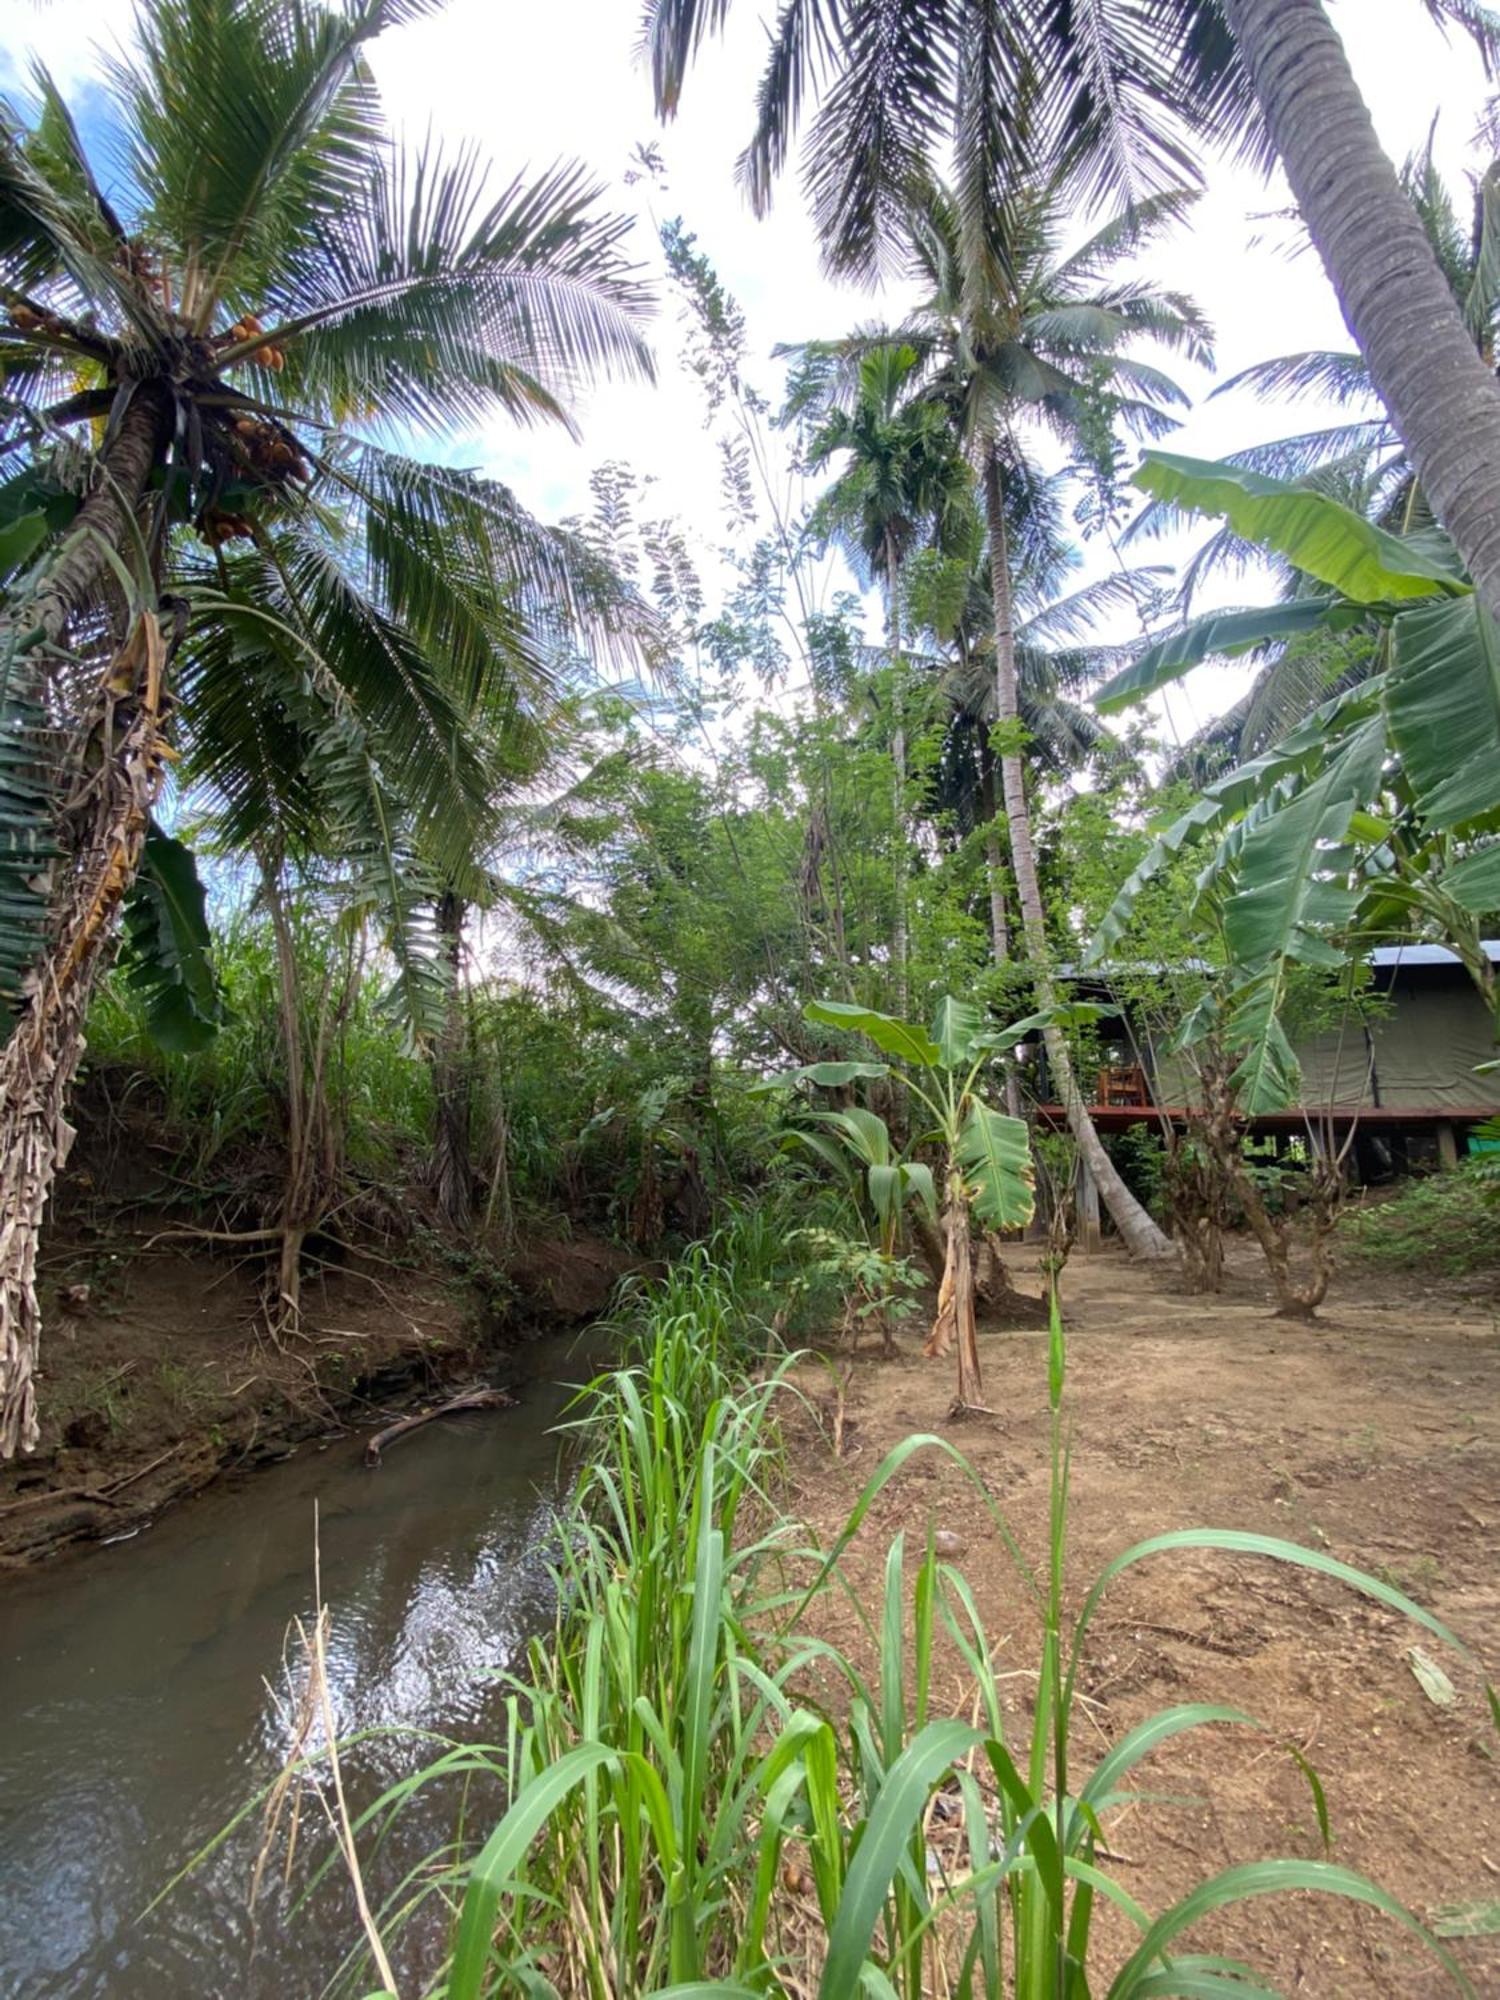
x=158 y=1376
x=149 y=1695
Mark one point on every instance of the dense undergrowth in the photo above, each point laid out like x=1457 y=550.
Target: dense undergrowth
x=1440 y=1222
x=706 y=1795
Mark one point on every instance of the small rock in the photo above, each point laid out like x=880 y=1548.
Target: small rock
x=946 y=1544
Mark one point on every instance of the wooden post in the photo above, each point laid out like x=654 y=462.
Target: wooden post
x=1447 y=1145
x=1088 y=1208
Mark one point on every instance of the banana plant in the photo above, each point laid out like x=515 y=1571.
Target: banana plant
x=857 y=1138
x=987 y=1169
x=1378 y=814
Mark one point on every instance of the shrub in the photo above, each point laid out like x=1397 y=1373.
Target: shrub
x=1443 y=1222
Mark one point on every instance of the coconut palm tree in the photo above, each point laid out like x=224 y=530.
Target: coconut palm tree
x=1116 y=93
x=1059 y=659
x=1039 y=340
x=904 y=484
x=208 y=547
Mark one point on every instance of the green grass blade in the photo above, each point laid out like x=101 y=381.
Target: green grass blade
x=1238 y=1541
x=1270 y=1878
x=883 y=1848
x=500 y=1857
x=1145 y=1737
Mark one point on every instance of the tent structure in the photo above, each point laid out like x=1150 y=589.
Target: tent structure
x=1407 y=1071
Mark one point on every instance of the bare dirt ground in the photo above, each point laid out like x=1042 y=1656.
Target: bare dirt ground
x=1374 y=1435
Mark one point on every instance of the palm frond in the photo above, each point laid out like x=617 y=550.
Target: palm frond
x=803 y=42
x=879 y=125
x=249 y=122
x=1332 y=377
x=991 y=143
x=421 y=305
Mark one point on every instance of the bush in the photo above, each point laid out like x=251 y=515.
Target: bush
x=1444 y=1222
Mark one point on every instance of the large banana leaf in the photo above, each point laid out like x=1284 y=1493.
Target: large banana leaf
x=954 y=1026
x=1268 y=1077
x=995 y=1154
x=891 y=1187
x=829 y=1074
x=1475 y=881
x=1220 y=635
x=166 y=957
x=1322 y=537
x=897 y=1038
x=1443 y=700
x=1242 y=795
x=863 y=1132
x=1293 y=889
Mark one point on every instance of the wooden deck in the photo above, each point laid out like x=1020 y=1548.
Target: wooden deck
x=1369 y=1117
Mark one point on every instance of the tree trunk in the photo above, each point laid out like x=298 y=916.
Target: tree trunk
x=1441 y=397
x=999 y=915
x=117 y=760
x=452 y=1152
x=900 y=950
x=1138 y=1232
x=113 y=766
x=103 y=527
x=954 y=1325
x=297 y=1200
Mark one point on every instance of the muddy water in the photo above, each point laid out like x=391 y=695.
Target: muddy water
x=136 y=1715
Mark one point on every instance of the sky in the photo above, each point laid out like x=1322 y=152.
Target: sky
x=531 y=84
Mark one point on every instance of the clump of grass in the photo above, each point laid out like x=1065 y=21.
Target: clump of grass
x=706 y=1796
x=1447 y=1222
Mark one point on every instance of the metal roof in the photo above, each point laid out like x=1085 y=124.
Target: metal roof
x=1427 y=954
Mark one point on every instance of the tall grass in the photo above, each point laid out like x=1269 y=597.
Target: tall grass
x=708 y=1796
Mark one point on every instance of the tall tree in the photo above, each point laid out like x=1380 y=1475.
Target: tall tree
x=273 y=269
x=1118 y=92
x=1039 y=337
x=904 y=484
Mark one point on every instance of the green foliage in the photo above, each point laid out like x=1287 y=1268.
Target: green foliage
x=219 y=1103
x=669 y=1753
x=166 y=958
x=986 y=1152
x=1319 y=535
x=1343 y=831
x=1444 y=1222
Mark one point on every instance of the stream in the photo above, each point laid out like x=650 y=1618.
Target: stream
x=145 y=1693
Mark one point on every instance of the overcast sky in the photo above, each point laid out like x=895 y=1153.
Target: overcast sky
x=532 y=83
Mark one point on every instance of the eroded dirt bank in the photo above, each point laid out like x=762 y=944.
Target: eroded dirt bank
x=159 y=1374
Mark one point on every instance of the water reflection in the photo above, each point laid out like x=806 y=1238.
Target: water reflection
x=145 y=1699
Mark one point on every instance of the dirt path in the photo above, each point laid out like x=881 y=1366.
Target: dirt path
x=1374 y=1435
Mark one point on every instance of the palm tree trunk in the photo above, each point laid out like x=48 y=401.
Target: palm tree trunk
x=108 y=780
x=452 y=1152
x=999 y=915
x=1139 y=1233
x=117 y=763
x=900 y=949
x=1442 y=398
